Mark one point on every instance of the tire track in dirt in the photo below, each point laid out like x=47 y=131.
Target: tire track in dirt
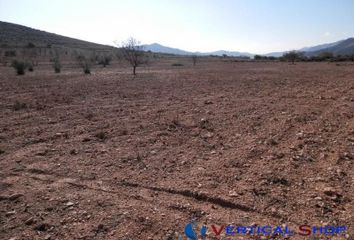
x=202 y=197
x=196 y=195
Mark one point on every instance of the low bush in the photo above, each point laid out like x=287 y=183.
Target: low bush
x=85 y=63
x=101 y=136
x=19 y=66
x=19 y=105
x=86 y=67
x=30 y=45
x=10 y=53
x=177 y=64
x=104 y=60
x=57 y=65
x=30 y=67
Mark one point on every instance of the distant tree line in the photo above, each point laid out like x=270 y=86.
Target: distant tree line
x=297 y=56
x=260 y=57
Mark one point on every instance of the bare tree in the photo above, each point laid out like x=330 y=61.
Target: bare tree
x=194 y=59
x=132 y=52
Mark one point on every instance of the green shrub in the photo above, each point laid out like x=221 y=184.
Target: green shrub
x=20 y=67
x=86 y=67
x=10 y=53
x=85 y=63
x=177 y=64
x=101 y=136
x=30 y=67
x=30 y=45
x=18 y=106
x=57 y=65
x=104 y=60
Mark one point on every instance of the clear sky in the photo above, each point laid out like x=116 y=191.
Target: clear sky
x=257 y=26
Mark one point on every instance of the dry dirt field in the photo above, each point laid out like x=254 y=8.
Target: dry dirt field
x=108 y=156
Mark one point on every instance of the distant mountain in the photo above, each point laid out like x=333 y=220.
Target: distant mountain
x=14 y=35
x=340 y=47
x=158 y=48
x=274 y=54
x=319 y=47
x=228 y=53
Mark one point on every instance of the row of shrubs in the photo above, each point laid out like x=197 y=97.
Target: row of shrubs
x=21 y=66
x=301 y=56
x=85 y=63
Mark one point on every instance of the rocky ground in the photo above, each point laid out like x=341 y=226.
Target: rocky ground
x=108 y=156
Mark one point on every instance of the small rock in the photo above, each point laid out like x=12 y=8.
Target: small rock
x=340 y=172
x=69 y=204
x=86 y=139
x=15 y=196
x=30 y=221
x=10 y=213
x=232 y=193
x=346 y=156
x=204 y=123
x=42 y=227
x=272 y=142
x=300 y=134
x=73 y=152
x=209 y=135
x=101 y=228
x=329 y=191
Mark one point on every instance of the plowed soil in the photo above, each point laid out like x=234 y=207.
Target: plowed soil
x=109 y=156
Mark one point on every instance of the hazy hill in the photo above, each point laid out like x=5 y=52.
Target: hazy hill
x=158 y=48
x=14 y=35
x=228 y=53
x=342 y=47
x=320 y=47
